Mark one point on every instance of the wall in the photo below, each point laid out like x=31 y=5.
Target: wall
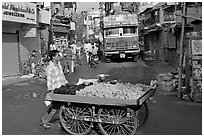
x=198 y=27
x=194 y=12
x=9 y=27
x=26 y=44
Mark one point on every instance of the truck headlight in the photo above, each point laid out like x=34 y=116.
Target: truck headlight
x=134 y=46
x=107 y=47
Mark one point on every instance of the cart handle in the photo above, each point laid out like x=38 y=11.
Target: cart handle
x=146 y=96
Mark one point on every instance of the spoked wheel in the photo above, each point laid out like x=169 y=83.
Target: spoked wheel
x=69 y=122
x=116 y=121
x=142 y=114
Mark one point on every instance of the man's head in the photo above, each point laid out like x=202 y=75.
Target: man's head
x=54 y=55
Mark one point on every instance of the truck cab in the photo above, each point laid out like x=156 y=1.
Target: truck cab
x=121 y=36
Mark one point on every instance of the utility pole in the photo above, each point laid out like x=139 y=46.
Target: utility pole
x=181 y=52
x=50 y=39
x=87 y=26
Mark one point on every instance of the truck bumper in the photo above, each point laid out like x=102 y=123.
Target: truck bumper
x=127 y=53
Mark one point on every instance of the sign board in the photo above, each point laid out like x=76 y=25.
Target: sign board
x=72 y=26
x=23 y=12
x=44 y=16
x=196 y=47
x=122 y=19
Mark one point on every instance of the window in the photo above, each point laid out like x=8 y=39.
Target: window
x=112 y=32
x=89 y=18
x=129 y=30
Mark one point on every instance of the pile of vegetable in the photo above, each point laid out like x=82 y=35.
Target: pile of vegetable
x=106 y=90
x=70 y=89
x=118 y=90
x=168 y=82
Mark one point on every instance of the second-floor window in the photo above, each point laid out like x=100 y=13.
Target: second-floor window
x=169 y=14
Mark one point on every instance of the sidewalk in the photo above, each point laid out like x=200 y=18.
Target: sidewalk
x=14 y=79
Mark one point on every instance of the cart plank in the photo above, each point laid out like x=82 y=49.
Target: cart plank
x=90 y=100
x=99 y=100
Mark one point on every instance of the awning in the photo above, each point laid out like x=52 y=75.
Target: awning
x=61 y=29
x=194 y=22
x=154 y=30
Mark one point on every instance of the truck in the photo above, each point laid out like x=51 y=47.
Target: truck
x=121 y=36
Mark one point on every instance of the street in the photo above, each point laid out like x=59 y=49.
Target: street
x=168 y=115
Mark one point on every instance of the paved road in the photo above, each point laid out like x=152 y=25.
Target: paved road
x=167 y=114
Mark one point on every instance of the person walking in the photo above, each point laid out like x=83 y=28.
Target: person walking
x=55 y=79
x=142 y=48
x=74 y=52
x=88 y=49
x=68 y=58
x=62 y=60
x=33 y=62
x=78 y=56
x=53 y=46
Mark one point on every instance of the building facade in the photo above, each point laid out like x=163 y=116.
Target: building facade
x=161 y=29
x=20 y=34
x=92 y=24
x=63 y=26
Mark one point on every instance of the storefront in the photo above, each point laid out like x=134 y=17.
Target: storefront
x=10 y=56
x=19 y=35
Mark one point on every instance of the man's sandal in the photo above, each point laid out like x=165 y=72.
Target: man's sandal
x=45 y=125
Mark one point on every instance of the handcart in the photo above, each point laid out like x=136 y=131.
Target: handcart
x=79 y=114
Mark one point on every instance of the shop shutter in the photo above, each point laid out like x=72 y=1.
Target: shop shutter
x=10 y=55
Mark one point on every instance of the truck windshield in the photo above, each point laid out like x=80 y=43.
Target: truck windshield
x=112 y=32
x=129 y=30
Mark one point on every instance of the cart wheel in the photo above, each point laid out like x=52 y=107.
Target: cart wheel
x=116 y=121
x=73 y=126
x=142 y=114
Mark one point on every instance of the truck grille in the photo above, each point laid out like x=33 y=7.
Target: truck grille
x=121 y=45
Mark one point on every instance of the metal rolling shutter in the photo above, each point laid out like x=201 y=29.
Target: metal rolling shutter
x=10 y=57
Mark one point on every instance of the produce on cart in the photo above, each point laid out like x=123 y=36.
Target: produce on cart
x=115 y=108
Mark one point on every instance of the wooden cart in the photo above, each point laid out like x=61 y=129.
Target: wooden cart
x=79 y=114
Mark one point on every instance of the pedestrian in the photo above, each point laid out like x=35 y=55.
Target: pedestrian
x=55 y=79
x=141 y=53
x=33 y=62
x=94 y=49
x=53 y=46
x=85 y=50
x=100 y=52
x=88 y=49
x=78 y=56
x=93 y=55
x=74 y=52
x=62 y=59
x=68 y=58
